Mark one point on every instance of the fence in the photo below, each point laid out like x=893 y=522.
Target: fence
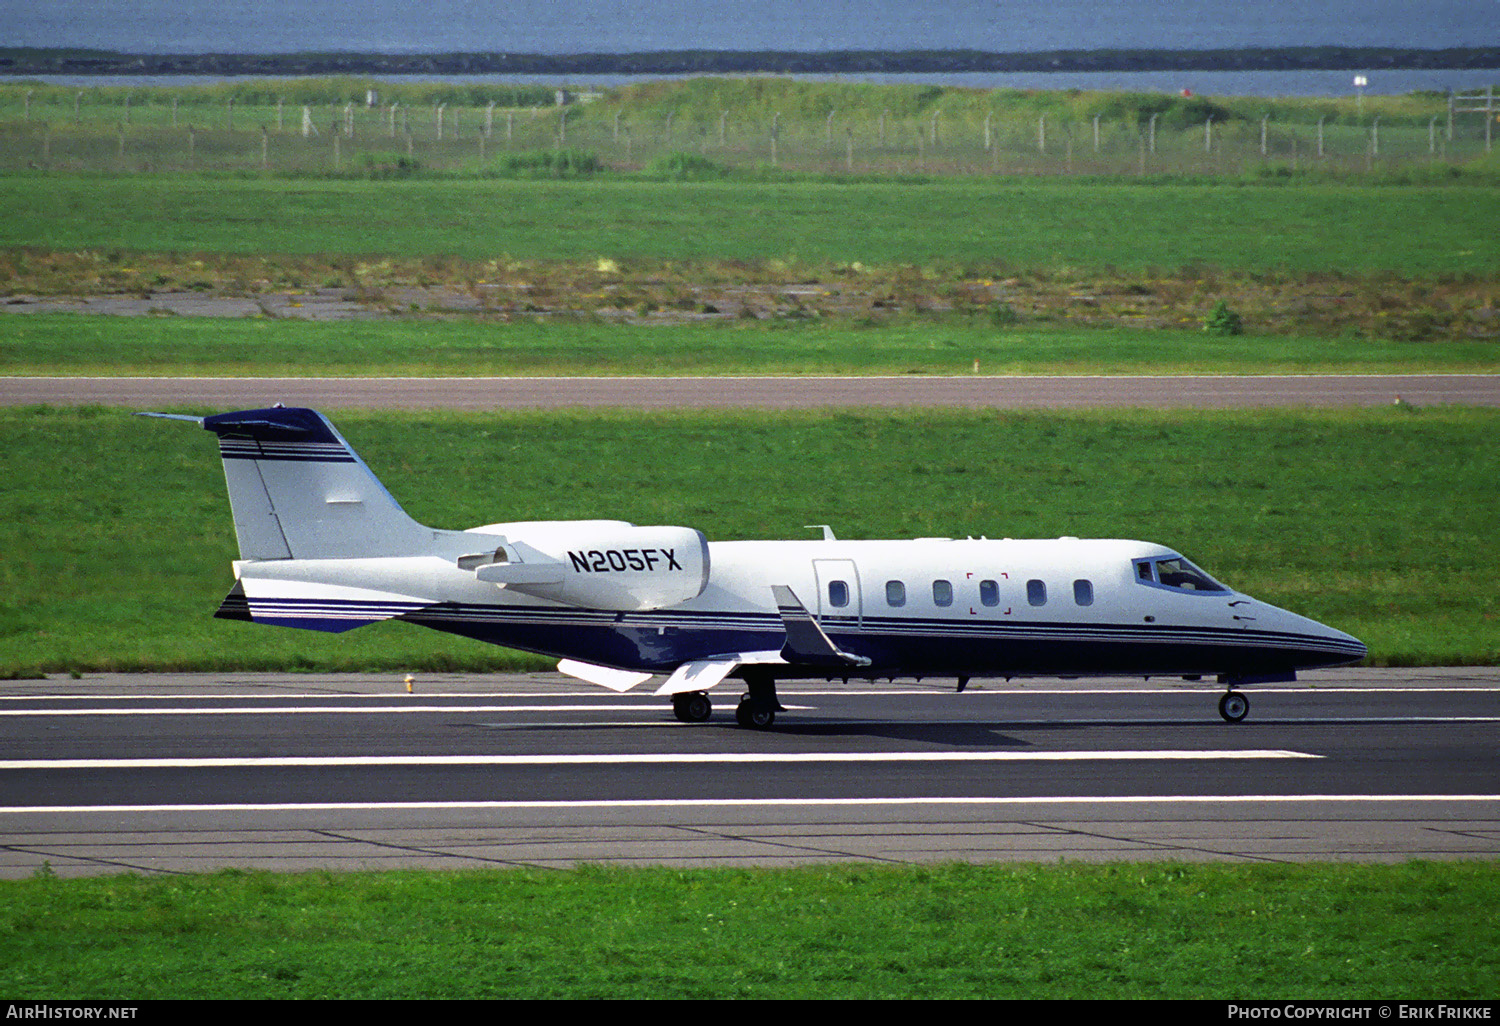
x=161 y=135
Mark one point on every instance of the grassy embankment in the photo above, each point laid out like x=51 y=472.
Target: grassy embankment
x=116 y=533
x=1342 y=277
x=1309 y=932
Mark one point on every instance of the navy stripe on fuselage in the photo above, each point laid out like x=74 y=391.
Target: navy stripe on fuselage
x=663 y=639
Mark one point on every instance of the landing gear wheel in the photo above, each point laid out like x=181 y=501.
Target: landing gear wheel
x=1234 y=707
x=750 y=713
x=692 y=707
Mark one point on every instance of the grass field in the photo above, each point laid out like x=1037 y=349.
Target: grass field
x=967 y=226
x=116 y=537
x=1225 y=932
x=65 y=344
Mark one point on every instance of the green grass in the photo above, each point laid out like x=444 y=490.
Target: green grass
x=1296 y=932
x=990 y=225
x=115 y=536
x=65 y=344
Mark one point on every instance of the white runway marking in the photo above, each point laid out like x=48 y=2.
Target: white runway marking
x=650 y=759
x=234 y=710
x=688 y=803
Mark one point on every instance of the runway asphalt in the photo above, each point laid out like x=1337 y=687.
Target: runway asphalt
x=773 y=393
x=178 y=773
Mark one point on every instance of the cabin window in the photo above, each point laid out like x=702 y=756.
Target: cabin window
x=838 y=594
x=942 y=593
x=1036 y=592
x=895 y=593
x=1143 y=571
x=1083 y=592
x=989 y=593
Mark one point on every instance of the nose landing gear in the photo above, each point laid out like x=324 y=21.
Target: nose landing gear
x=1234 y=706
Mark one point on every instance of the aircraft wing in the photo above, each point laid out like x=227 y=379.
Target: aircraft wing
x=702 y=674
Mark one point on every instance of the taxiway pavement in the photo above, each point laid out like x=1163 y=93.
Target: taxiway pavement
x=970 y=392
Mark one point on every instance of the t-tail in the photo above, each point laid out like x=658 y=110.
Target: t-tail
x=297 y=490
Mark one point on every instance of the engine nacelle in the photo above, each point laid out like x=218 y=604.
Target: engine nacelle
x=595 y=564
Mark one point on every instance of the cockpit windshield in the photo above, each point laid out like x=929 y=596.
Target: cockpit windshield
x=1177 y=573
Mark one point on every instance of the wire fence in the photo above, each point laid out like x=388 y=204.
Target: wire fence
x=382 y=139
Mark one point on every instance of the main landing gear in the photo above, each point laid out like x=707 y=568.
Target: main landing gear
x=757 y=709
x=692 y=706
x=1233 y=706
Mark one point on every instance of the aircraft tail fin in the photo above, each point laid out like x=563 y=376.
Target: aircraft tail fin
x=297 y=490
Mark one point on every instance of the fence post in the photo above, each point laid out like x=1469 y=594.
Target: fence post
x=722 y=137
x=1041 y=134
x=828 y=126
x=1096 y=133
x=1375 y=137
x=1432 y=135
x=1320 y=137
x=489 y=119
x=28 y=104
x=1264 y=118
x=1208 y=135
x=775 y=134
x=264 y=140
x=1489 y=115
x=848 y=148
x=987 y=141
x=1152 y=145
x=229 y=115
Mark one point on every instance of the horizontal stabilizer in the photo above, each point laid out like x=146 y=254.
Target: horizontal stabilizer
x=604 y=676
x=805 y=641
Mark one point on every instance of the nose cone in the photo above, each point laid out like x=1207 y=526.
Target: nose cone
x=1309 y=643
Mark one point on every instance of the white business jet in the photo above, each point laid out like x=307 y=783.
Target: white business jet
x=324 y=546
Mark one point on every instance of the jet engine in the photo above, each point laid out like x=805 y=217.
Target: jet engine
x=595 y=564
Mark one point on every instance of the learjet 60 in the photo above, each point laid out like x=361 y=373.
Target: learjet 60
x=323 y=546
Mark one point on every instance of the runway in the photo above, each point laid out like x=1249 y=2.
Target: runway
x=187 y=773
x=972 y=392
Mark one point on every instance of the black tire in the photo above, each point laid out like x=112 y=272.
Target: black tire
x=1234 y=707
x=693 y=707
x=754 y=715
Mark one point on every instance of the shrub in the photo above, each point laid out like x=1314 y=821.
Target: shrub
x=681 y=166
x=546 y=164
x=1223 y=321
